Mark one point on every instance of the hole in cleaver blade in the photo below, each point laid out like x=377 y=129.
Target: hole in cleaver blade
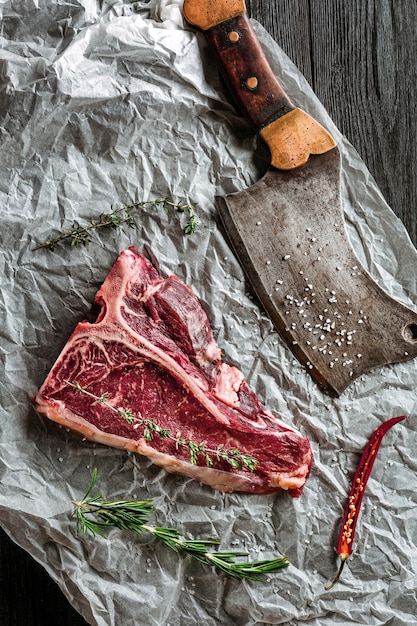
x=288 y=232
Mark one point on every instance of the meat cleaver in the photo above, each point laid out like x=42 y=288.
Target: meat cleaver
x=288 y=229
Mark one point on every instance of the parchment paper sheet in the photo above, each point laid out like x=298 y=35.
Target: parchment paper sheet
x=110 y=102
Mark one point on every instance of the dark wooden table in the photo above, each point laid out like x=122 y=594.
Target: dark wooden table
x=360 y=58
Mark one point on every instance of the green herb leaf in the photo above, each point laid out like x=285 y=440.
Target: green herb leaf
x=95 y=514
x=234 y=457
x=81 y=235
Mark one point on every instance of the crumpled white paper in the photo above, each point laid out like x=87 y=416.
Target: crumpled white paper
x=106 y=103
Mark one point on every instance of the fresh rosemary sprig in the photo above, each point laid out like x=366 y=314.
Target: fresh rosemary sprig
x=234 y=457
x=80 y=234
x=95 y=514
x=182 y=207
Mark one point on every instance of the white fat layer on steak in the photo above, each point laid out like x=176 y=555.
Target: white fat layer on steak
x=141 y=314
x=226 y=482
x=82 y=336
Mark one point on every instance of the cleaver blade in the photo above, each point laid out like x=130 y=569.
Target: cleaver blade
x=288 y=229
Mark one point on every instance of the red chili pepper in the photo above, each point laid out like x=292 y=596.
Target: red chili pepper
x=350 y=518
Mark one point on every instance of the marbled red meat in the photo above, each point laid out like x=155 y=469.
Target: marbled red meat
x=151 y=350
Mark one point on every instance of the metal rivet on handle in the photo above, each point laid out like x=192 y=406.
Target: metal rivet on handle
x=234 y=36
x=251 y=83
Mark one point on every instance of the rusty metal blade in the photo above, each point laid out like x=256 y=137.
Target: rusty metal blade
x=289 y=234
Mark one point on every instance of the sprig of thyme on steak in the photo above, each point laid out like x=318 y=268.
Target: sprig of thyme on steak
x=96 y=514
x=80 y=234
x=234 y=457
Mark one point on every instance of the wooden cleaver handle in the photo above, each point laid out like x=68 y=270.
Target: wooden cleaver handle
x=291 y=134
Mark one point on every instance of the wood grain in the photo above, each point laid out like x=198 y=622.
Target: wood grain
x=254 y=86
x=28 y=596
x=360 y=58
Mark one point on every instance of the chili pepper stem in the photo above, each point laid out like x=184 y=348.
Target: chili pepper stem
x=339 y=573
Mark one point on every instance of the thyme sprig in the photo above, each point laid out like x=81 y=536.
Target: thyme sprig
x=95 y=514
x=234 y=457
x=80 y=234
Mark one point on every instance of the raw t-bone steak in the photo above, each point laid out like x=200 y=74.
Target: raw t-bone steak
x=151 y=352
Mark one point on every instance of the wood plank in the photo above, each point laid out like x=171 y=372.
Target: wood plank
x=28 y=596
x=288 y=22
x=360 y=61
x=360 y=58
